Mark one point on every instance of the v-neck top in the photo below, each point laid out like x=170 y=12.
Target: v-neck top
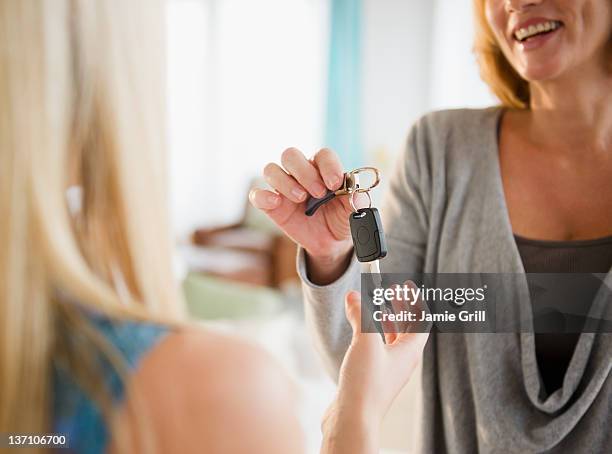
x=555 y=348
x=445 y=212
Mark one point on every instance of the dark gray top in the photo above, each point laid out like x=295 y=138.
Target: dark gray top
x=578 y=256
x=554 y=347
x=446 y=212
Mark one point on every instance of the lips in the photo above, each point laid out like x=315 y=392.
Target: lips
x=535 y=27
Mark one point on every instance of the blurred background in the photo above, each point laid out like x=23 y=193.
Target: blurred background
x=247 y=80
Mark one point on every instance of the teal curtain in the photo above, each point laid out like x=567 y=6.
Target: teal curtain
x=343 y=115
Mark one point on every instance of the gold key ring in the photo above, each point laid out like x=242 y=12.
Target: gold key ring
x=352 y=202
x=353 y=176
x=351 y=181
x=350 y=186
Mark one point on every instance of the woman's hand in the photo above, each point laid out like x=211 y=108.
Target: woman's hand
x=371 y=376
x=326 y=235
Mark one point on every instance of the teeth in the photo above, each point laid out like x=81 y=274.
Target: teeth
x=526 y=32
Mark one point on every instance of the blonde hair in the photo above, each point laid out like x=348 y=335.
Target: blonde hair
x=505 y=83
x=81 y=84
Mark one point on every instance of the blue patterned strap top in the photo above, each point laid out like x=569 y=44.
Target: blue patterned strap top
x=75 y=414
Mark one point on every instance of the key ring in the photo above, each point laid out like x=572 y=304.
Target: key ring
x=352 y=195
x=350 y=186
x=352 y=179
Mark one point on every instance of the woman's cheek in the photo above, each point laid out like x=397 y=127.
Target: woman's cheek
x=498 y=27
x=497 y=18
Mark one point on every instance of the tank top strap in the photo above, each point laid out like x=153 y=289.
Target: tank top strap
x=75 y=413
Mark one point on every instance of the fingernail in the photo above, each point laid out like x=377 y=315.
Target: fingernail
x=332 y=182
x=298 y=193
x=273 y=200
x=319 y=190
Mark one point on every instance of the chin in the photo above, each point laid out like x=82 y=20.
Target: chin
x=541 y=71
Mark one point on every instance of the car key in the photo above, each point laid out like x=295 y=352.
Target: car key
x=370 y=246
x=368 y=235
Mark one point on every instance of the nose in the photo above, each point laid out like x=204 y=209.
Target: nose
x=513 y=6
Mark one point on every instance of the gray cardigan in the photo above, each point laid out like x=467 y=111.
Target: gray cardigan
x=446 y=212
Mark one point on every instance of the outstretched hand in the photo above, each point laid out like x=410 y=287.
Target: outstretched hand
x=371 y=376
x=373 y=373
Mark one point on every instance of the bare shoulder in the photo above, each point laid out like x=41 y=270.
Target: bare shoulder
x=200 y=391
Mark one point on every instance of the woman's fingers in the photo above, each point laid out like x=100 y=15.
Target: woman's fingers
x=413 y=334
x=400 y=305
x=301 y=177
x=388 y=328
x=394 y=331
x=264 y=199
x=277 y=207
x=305 y=173
x=276 y=177
x=352 y=308
x=329 y=167
x=409 y=347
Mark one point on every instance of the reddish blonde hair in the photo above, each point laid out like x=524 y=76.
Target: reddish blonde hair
x=505 y=83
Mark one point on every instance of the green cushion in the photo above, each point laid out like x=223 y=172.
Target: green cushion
x=211 y=297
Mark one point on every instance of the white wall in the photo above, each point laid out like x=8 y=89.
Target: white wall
x=417 y=58
x=188 y=120
x=271 y=73
x=455 y=81
x=397 y=61
x=246 y=80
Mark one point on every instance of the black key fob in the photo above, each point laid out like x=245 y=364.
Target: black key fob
x=313 y=204
x=368 y=235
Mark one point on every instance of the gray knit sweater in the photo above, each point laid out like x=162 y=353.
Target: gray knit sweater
x=446 y=212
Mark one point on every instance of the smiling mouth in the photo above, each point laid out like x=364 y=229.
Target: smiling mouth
x=543 y=28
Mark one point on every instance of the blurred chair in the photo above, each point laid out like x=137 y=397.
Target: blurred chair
x=244 y=270
x=251 y=251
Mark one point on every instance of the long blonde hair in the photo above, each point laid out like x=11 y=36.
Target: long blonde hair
x=81 y=96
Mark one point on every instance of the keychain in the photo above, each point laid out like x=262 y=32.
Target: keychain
x=367 y=233
x=366 y=227
x=350 y=185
